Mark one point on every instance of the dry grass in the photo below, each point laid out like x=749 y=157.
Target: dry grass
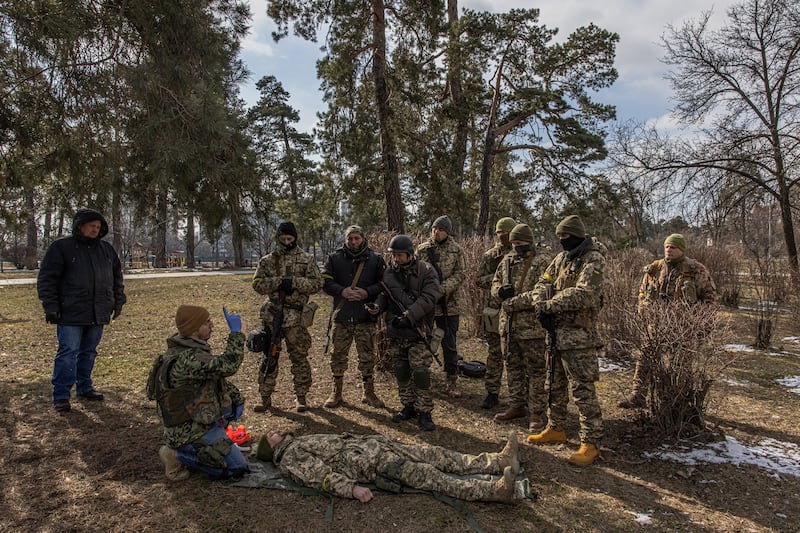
x=96 y=468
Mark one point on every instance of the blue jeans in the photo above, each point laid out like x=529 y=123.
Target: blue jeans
x=235 y=461
x=77 y=350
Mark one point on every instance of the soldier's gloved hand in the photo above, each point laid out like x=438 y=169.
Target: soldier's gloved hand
x=52 y=317
x=401 y=321
x=286 y=286
x=506 y=291
x=508 y=305
x=116 y=312
x=542 y=315
x=234 y=321
x=238 y=411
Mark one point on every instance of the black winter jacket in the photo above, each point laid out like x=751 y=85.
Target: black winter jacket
x=416 y=287
x=81 y=278
x=338 y=274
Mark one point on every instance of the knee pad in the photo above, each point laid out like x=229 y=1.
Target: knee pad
x=402 y=370
x=422 y=377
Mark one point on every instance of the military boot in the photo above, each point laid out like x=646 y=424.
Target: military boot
x=266 y=404
x=585 y=455
x=451 y=386
x=513 y=411
x=370 y=398
x=504 y=487
x=509 y=456
x=300 y=404
x=491 y=400
x=406 y=413
x=336 y=396
x=426 y=422
x=537 y=423
x=548 y=436
x=173 y=469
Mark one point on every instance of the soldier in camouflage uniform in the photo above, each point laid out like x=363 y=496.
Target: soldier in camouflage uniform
x=195 y=402
x=576 y=276
x=352 y=275
x=414 y=289
x=340 y=464
x=288 y=276
x=445 y=255
x=676 y=278
x=516 y=275
x=491 y=313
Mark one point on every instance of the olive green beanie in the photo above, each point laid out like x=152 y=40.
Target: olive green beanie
x=263 y=450
x=572 y=225
x=676 y=239
x=521 y=232
x=505 y=224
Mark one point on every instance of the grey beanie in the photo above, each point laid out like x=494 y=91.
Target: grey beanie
x=444 y=223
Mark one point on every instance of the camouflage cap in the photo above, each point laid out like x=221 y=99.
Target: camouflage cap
x=353 y=229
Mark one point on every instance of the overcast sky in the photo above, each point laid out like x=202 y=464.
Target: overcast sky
x=640 y=93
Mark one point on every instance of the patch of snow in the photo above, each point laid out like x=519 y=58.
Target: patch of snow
x=737 y=382
x=643 y=519
x=783 y=353
x=795 y=340
x=608 y=366
x=769 y=454
x=793 y=382
x=738 y=348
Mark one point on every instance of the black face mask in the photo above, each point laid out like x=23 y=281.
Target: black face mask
x=571 y=242
x=286 y=247
x=523 y=249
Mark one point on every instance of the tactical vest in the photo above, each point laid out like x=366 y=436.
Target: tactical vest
x=177 y=405
x=685 y=285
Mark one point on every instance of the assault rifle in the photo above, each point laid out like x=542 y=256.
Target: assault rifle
x=549 y=324
x=270 y=361
x=417 y=329
x=509 y=316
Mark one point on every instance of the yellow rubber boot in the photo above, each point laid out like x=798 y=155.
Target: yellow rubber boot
x=585 y=455
x=548 y=436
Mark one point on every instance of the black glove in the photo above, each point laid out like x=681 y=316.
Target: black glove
x=544 y=318
x=506 y=291
x=52 y=317
x=401 y=322
x=286 y=286
x=116 y=312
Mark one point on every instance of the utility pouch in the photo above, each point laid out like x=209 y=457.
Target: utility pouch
x=307 y=314
x=491 y=320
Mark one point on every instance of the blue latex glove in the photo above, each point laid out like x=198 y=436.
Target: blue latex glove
x=238 y=411
x=234 y=321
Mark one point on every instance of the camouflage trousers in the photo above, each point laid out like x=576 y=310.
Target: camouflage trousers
x=412 y=364
x=435 y=468
x=494 y=363
x=298 y=342
x=576 y=372
x=527 y=373
x=342 y=336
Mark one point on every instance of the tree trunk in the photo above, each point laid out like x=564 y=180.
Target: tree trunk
x=160 y=231
x=395 y=216
x=190 y=240
x=488 y=156
x=31 y=241
x=461 y=116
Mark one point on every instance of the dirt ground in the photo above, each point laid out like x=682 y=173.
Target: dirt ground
x=96 y=468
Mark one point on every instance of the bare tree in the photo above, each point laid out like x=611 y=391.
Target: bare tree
x=739 y=86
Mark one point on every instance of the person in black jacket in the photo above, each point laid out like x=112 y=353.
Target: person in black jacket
x=352 y=275
x=80 y=287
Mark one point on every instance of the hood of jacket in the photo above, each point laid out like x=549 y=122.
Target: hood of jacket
x=82 y=216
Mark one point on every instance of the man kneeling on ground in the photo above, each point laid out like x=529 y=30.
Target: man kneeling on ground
x=195 y=401
x=340 y=464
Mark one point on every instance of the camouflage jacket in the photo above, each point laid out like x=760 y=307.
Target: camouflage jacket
x=577 y=278
x=306 y=280
x=522 y=273
x=416 y=287
x=193 y=366
x=686 y=279
x=491 y=258
x=447 y=258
